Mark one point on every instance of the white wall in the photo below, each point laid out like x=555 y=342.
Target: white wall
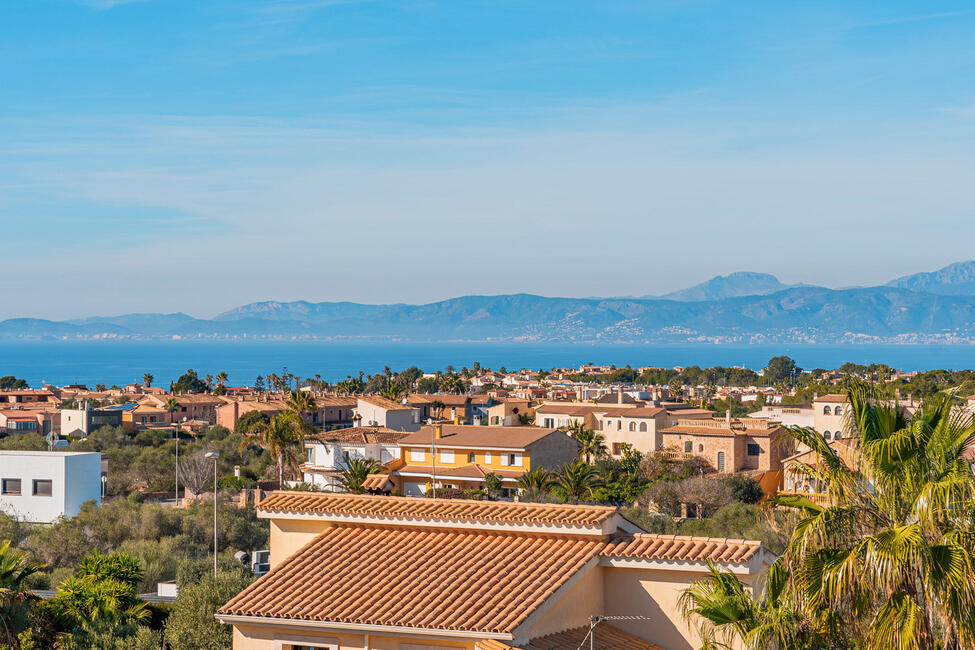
x=75 y=478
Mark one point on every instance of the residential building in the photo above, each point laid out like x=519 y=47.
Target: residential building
x=82 y=421
x=466 y=454
x=730 y=444
x=460 y=408
x=388 y=573
x=796 y=481
x=330 y=412
x=27 y=398
x=829 y=413
x=507 y=413
x=192 y=406
x=43 y=486
x=145 y=416
x=375 y=411
x=29 y=420
x=788 y=415
x=328 y=452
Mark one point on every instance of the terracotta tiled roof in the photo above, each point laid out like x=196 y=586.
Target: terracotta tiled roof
x=682 y=547
x=605 y=637
x=384 y=403
x=755 y=427
x=476 y=437
x=624 y=412
x=569 y=408
x=375 y=481
x=433 y=579
x=473 y=470
x=417 y=508
x=836 y=398
x=360 y=435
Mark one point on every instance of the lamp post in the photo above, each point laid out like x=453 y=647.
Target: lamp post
x=214 y=455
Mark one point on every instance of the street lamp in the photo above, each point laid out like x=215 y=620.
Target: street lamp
x=214 y=455
x=176 y=434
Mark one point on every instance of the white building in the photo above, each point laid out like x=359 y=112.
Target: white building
x=375 y=411
x=328 y=452
x=42 y=486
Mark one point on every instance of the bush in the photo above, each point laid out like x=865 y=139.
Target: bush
x=191 y=625
x=745 y=488
x=651 y=522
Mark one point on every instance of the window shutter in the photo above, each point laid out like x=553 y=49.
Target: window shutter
x=504 y=459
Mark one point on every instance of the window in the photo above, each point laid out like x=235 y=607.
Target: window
x=826 y=410
x=838 y=410
x=11 y=486
x=688 y=446
x=632 y=426
x=471 y=458
x=417 y=456
x=511 y=459
x=643 y=426
x=618 y=448
x=827 y=435
x=487 y=458
x=447 y=456
x=700 y=447
x=43 y=487
x=619 y=425
x=311 y=455
x=720 y=461
x=754 y=449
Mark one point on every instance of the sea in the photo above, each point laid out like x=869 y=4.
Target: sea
x=120 y=362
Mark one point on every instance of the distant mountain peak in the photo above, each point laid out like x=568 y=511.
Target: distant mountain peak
x=956 y=279
x=733 y=285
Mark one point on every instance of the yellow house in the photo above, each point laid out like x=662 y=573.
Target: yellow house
x=400 y=573
x=465 y=454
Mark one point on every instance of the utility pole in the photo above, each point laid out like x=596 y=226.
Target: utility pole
x=214 y=455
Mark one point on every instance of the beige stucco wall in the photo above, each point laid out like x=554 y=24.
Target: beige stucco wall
x=573 y=609
x=289 y=535
x=263 y=638
x=653 y=594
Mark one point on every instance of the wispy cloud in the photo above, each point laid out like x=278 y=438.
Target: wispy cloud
x=918 y=18
x=102 y=5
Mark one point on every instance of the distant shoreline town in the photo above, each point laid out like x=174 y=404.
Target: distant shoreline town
x=737 y=309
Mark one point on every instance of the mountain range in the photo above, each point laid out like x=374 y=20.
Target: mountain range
x=737 y=308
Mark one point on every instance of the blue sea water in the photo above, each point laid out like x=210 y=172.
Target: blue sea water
x=119 y=362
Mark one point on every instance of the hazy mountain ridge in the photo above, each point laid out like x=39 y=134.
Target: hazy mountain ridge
x=956 y=279
x=793 y=314
x=734 y=285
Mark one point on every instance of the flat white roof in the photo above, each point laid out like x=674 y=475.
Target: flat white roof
x=18 y=452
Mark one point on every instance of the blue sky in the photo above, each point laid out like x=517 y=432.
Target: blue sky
x=168 y=155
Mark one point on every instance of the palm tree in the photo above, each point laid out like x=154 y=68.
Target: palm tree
x=729 y=616
x=592 y=444
x=222 y=378
x=436 y=406
x=891 y=555
x=354 y=472
x=301 y=402
x=575 y=482
x=15 y=594
x=147 y=380
x=392 y=391
x=535 y=481
x=282 y=438
x=171 y=406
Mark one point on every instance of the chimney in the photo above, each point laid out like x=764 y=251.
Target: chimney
x=619 y=396
x=727 y=415
x=438 y=432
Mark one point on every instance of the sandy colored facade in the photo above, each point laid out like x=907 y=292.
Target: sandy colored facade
x=400 y=573
x=730 y=445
